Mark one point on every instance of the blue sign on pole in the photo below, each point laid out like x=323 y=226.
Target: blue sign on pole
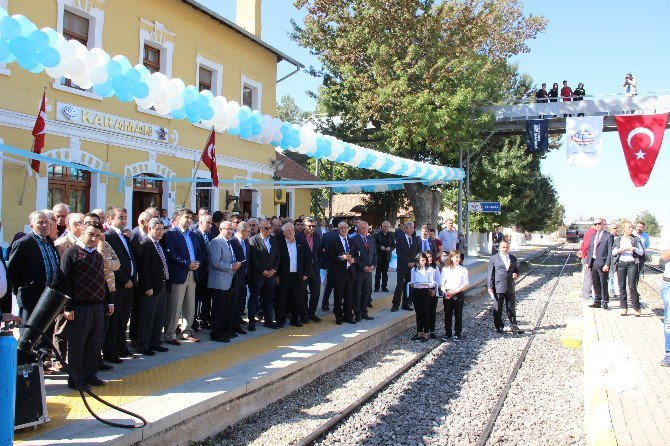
x=491 y=206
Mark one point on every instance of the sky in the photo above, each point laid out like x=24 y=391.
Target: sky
x=595 y=42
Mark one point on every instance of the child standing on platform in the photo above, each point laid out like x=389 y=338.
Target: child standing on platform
x=453 y=282
x=422 y=280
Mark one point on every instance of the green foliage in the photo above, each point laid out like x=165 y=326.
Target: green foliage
x=651 y=225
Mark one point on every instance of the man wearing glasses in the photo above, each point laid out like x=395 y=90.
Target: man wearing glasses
x=599 y=257
x=264 y=263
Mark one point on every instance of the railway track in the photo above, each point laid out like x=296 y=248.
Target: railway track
x=333 y=422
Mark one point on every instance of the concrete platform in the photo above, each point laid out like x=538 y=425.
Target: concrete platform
x=196 y=390
x=627 y=391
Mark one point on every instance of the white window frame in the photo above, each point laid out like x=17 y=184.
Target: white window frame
x=167 y=52
x=258 y=96
x=96 y=21
x=217 y=79
x=3 y=66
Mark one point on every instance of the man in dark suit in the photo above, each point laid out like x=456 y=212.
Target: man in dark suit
x=184 y=258
x=496 y=238
x=343 y=274
x=33 y=265
x=138 y=234
x=240 y=244
x=502 y=272
x=365 y=261
x=264 y=263
x=599 y=258
x=326 y=263
x=125 y=280
x=291 y=277
x=407 y=247
x=153 y=284
x=385 y=244
x=203 y=307
x=311 y=238
x=427 y=244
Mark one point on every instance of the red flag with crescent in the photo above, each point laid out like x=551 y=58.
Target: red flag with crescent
x=209 y=158
x=38 y=132
x=641 y=138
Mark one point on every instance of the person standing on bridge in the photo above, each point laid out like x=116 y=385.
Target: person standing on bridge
x=541 y=95
x=600 y=257
x=553 y=93
x=502 y=272
x=630 y=85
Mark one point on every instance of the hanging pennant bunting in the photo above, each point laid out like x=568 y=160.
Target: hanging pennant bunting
x=641 y=138
x=537 y=135
x=583 y=140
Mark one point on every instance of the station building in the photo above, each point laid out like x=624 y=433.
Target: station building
x=180 y=38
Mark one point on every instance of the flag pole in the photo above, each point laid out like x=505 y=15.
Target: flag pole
x=195 y=171
x=25 y=179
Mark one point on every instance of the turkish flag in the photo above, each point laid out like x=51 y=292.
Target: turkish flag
x=38 y=132
x=209 y=158
x=641 y=138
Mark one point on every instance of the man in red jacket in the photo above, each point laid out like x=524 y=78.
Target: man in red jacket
x=587 y=282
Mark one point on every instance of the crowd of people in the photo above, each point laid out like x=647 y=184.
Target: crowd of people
x=566 y=93
x=167 y=279
x=613 y=259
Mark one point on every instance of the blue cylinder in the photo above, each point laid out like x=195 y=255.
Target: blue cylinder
x=8 y=368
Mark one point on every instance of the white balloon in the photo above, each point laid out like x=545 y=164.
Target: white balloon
x=220 y=128
x=207 y=123
x=176 y=102
x=175 y=88
x=75 y=68
x=233 y=121
x=90 y=60
x=154 y=84
x=80 y=48
x=145 y=102
x=221 y=118
x=83 y=80
x=160 y=98
x=163 y=109
x=101 y=56
x=99 y=75
x=67 y=50
x=56 y=72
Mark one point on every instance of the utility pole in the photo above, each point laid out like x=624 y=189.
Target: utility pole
x=460 y=191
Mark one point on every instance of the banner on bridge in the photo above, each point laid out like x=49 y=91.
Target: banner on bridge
x=583 y=140
x=537 y=135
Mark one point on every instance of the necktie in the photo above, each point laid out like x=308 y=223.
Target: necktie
x=346 y=246
x=162 y=256
x=365 y=242
x=206 y=238
x=409 y=241
x=310 y=243
x=425 y=245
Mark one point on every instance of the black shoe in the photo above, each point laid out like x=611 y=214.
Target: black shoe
x=433 y=336
x=125 y=354
x=394 y=309
x=135 y=344
x=325 y=308
x=350 y=321
x=146 y=351
x=296 y=323
x=304 y=321
x=424 y=339
x=159 y=348
x=95 y=381
x=105 y=367
x=315 y=318
x=367 y=318
x=595 y=305
x=499 y=330
x=73 y=385
x=230 y=334
x=370 y=305
x=605 y=306
x=338 y=321
x=113 y=359
x=517 y=330
x=252 y=326
x=219 y=339
x=376 y=290
x=239 y=330
x=408 y=308
x=386 y=290
x=357 y=318
x=206 y=326
x=416 y=337
x=272 y=325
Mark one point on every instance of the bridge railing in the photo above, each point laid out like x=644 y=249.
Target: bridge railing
x=604 y=105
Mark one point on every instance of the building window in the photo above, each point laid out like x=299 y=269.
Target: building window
x=285 y=208
x=75 y=27
x=152 y=58
x=251 y=93
x=203 y=195
x=204 y=79
x=69 y=185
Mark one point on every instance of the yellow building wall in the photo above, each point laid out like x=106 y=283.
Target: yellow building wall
x=194 y=34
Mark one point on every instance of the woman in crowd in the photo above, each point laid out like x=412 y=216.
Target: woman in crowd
x=422 y=280
x=628 y=250
x=453 y=282
x=553 y=93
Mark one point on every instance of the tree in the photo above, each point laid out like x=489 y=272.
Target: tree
x=651 y=225
x=418 y=70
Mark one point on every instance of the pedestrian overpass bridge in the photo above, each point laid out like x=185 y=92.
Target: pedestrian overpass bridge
x=511 y=118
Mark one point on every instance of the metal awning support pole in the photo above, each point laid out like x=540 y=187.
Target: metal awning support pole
x=467 y=199
x=330 y=195
x=460 y=191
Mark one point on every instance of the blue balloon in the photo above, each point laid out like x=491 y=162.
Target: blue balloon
x=144 y=72
x=49 y=57
x=5 y=52
x=113 y=69
x=193 y=118
x=125 y=95
x=207 y=113
x=121 y=83
x=39 y=39
x=29 y=61
x=233 y=131
x=25 y=24
x=179 y=113
x=10 y=29
x=105 y=89
x=192 y=108
x=123 y=62
x=134 y=77
x=386 y=166
x=256 y=128
x=245 y=133
x=274 y=143
x=21 y=47
x=141 y=90
x=52 y=34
